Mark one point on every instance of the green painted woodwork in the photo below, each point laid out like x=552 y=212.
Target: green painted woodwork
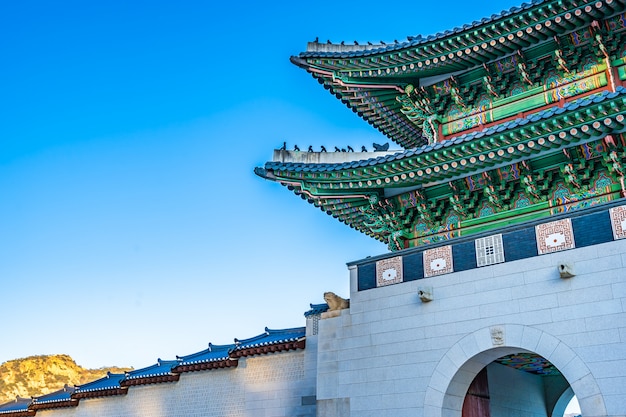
x=622 y=72
x=431 y=207
x=489 y=75
x=493 y=59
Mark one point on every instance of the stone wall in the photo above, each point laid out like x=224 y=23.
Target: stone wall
x=392 y=354
x=280 y=384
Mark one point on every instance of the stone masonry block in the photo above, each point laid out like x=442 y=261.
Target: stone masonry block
x=575 y=369
x=392 y=401
x=562 y=355
x=335 y=407
x=530 y=338
x=432 y=410
x=539 y=302
x=445 y=292
x=352 y=377
x=483 y=339
x=546 y=345
x=615 y=405
x=584 y=310
x=619 y=290
x=439 y=381
x=585 y=384
x=563 y=329
x=457 y=354
x=589 y=295
x=509 y=280
x=599 y=264
x=593 y=402
x=613 y=386
x=433 y=397
x=446 y=367
x=364 y=404
x=499 y=309
x=608 y=322
x=454 y=402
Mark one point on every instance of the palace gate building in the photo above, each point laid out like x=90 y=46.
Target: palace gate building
x=504 y=211
x=504 y=292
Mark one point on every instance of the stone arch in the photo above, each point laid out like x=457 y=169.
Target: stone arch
x=456 y=370
x=562 y=402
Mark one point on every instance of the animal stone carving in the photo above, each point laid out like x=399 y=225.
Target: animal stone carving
x=380 y=148
x=425 y=294
x=335 y=302
x=566 y=270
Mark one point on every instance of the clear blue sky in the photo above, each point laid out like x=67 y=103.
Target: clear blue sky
x=132 y=226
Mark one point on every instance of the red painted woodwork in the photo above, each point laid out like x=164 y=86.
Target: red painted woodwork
x=476 y=403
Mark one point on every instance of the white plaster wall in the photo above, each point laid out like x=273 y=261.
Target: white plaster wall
x=392 y=355
x=261 y=386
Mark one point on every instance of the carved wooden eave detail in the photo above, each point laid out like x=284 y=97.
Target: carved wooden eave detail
x=205 y=366
x=109 y=392
x=154 y=379
x=53 y=404
x=25 y=413
x=265 y=349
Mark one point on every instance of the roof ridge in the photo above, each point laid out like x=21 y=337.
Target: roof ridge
x=415 y=40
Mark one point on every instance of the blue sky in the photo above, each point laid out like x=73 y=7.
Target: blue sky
x=132 y=226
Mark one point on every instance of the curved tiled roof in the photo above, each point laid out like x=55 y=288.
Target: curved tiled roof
x=271 y=337
x=64 y=394
x=546 y=114
x=216 y=356
x=372 y=80
x=17 y=407
x=212 y=354
x=362 y=193
x=269 y=342
x=104 y=387
x=351 y=51
x=316 y=309
x=57 y=399
x=153 y=374
x=110 y=381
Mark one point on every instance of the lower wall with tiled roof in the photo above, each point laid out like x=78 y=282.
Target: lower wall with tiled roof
x=281 y=384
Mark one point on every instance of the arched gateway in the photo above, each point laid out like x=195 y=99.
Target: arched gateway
x=448 y=389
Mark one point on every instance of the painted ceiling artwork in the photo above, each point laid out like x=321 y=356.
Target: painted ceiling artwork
x=529 y=362
x=510 y=119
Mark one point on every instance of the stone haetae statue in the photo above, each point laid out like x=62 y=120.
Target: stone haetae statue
x=335 y=302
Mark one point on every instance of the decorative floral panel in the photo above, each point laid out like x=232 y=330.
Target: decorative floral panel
x=489 y=250
x=389 y=271
x=438 y=261
x=555 y=236
x=618 y=222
